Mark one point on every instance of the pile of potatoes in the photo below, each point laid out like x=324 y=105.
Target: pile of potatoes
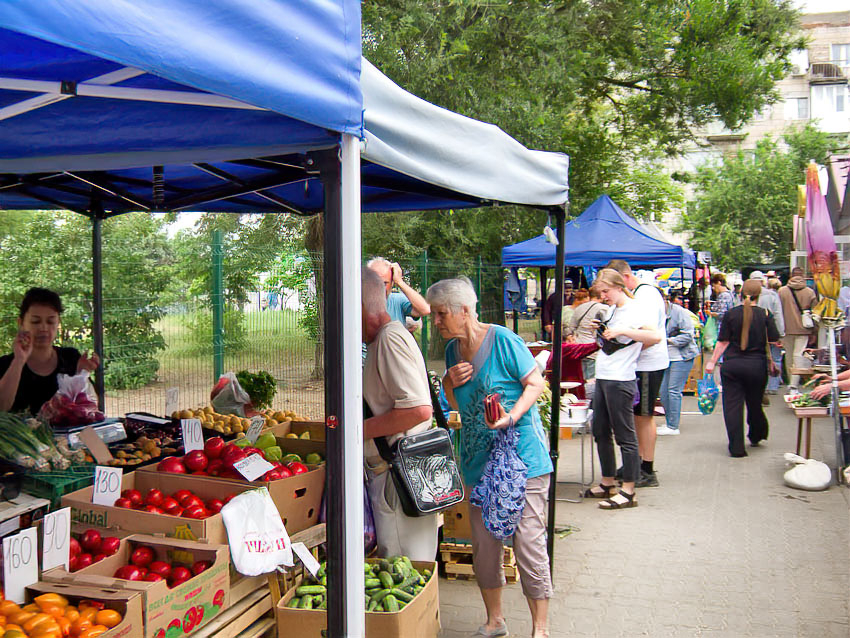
x=228 y=424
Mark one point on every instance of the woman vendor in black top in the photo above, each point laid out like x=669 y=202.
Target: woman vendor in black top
x=28 y=376
x=742 y=342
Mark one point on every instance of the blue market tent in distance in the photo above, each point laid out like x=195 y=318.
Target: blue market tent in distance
x=601 y=233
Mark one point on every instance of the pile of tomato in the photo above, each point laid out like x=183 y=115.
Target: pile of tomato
x=52 y=616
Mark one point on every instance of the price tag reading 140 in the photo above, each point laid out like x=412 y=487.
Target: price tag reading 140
x=193 y=436
x=107 y=485
x=256 y=427
x=20 y=564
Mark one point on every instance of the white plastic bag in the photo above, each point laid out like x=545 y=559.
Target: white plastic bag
x=256 y=534
x=807 y=474
x=228 y=397
x=72 y=405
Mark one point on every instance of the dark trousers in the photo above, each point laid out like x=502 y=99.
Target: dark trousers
x=743 y=380
x=612 y=413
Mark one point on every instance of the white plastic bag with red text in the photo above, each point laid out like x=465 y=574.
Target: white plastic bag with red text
x=256 y=534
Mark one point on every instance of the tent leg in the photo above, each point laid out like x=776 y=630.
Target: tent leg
x=555 y=381
x=97 y=297
x=343 y=389
x=543 y=295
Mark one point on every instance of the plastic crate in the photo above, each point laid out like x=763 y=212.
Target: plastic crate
x=55 y=484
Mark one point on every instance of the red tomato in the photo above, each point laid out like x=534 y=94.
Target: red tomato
x=195 y=511
x=201 y=566
x=74 y=547
x=160 y=567
x=214 y=505
x=124 y=502
x=142 y=556
x=179 y=575
x=196 y=461
x=154 y=497
x=297 y=468
x=135 y=496
x=215 y=466
x=91 y=541
x=151 y=577
x=128 y=572
x=181 y=495
x=214 y=447
x=109 y=545
x=169 y=505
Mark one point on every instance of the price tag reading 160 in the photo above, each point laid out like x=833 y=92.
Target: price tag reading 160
x=107 y=485
x=20 y=564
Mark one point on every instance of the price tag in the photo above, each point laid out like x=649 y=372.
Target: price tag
x=257 y=425
x=172 y=400
x=57 y=539
x=306 y=557
x=107 y=485
x=193 y=436
x=253 y=467
x=20 y=564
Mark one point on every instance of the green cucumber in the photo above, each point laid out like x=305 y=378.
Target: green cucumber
x=373 y=605
x=386 y=579
x=369 y=583
x=400 y=594
x=378 y=597
x=310 y=589
x=390 y=603
x=306 y=602
x=293 y=602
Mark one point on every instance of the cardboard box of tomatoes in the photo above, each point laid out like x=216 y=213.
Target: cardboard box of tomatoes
x=158 y=503
x=184 y=584
x=295 y=488
x=125 y=621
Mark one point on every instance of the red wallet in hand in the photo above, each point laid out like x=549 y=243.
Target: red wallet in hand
x=491 y=407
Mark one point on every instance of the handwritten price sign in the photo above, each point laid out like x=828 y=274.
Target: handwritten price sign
x=57 y=539
x=20 y=564
x=107 y=485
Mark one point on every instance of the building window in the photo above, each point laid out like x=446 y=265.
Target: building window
x=829 y=99
x=841 y=55
x=797 y=108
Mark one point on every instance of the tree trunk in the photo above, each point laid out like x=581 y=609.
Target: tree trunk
x=314 y=242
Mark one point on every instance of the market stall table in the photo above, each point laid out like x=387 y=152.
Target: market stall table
x=805 y=416
x=582 y=427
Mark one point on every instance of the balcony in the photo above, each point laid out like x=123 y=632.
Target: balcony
x=831 y=72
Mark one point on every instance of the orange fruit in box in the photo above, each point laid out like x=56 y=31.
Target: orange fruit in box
x=94 y=631
x=72 y=613
x=80 y=625
x=108 y=617
x=20 y=617
x=51 y=600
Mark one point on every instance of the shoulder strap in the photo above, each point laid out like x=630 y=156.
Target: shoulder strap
x=796 y=301
x=584 y=314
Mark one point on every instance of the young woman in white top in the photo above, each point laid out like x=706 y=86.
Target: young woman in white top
x=622 y=335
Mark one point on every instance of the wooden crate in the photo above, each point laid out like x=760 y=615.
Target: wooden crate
x=457 y=561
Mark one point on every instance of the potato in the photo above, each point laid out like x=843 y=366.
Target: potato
x=279 y=416
x=238 y=428
x=227 y=430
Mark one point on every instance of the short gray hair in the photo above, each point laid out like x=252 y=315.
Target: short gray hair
x=379 y=264
x=373 y=292
x=454 y=294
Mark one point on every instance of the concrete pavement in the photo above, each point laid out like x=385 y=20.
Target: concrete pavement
x=721 y=548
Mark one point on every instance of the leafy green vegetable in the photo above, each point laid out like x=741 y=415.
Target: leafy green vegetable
x=260 y=386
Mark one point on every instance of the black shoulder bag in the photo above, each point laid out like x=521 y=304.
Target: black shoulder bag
x=423 y=466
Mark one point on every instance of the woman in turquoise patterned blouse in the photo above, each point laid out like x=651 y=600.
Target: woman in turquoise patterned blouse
x=482 y=359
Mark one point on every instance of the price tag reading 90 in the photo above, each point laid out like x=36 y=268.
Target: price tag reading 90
x=20 y=564
x=193 y=436
x=57 y=539
x=107 y=485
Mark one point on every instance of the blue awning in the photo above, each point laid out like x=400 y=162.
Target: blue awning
x=601 y=233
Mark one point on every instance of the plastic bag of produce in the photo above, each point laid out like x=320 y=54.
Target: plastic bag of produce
x=228 y=397
x=256 y=534
x=708 y=393
x=71 y=406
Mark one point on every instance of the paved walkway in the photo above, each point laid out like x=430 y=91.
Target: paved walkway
x=721 y=548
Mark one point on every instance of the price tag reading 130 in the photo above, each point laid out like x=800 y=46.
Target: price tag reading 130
x=107 y=485
x=20 y=564
x=193 y=436
x=57 y=539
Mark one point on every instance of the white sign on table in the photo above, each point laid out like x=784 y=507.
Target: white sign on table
x=20 y=564
x=172 y=400
x=57 y=539
x=257 y=425
x=193 y=435
x=107 y=485
x=252 y=467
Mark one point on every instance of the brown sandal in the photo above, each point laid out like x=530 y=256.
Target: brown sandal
x=607 y=491
x=611 y=504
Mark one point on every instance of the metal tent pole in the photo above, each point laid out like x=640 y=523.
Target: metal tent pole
x=555 y=380
x=339 y=171
x=836 y=413
x=97 y=296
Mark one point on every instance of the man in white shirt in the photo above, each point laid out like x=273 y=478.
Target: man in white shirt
x=652 y=363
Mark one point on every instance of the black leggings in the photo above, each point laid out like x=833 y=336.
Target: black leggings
x=612 y=412
x=743 y=380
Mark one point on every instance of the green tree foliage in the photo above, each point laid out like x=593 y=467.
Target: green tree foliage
x=616 y=84
x=53 y=250
x=743 y=208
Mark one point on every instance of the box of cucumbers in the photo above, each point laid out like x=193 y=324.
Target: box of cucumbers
x=401 y=600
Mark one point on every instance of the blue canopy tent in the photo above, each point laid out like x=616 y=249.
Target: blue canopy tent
x=601 y=233
x=109 y=107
